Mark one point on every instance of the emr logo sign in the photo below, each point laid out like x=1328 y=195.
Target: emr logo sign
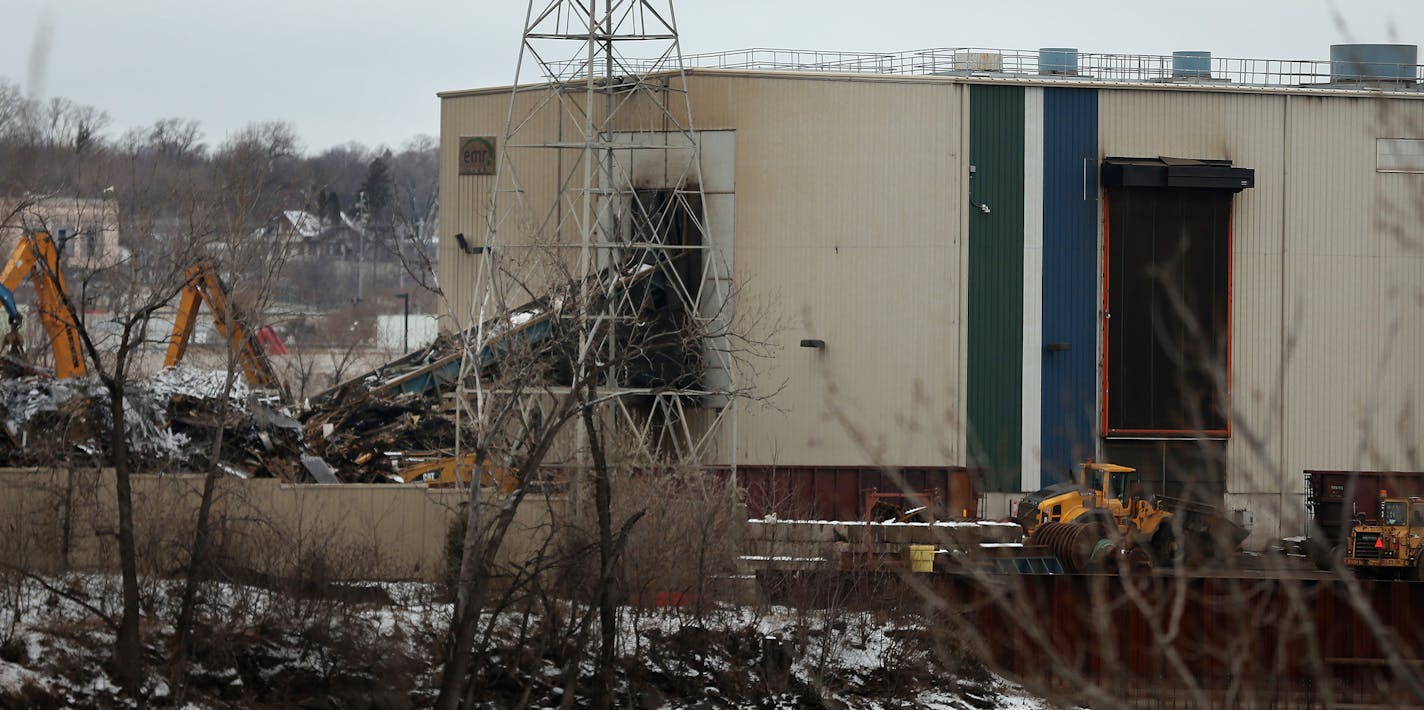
x=477 y=155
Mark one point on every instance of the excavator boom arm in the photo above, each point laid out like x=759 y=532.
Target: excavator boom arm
x=183 y=324
x=203 y=286
x=36 y=257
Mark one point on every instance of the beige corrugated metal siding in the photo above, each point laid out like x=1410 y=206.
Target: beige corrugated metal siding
x=1354 y=309
x=529 y=212
x=1328 y=315
x=847 y=230
x=1246 y=129
x=846 y=223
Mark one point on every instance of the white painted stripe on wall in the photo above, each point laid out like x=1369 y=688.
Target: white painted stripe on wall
x=1031 y=460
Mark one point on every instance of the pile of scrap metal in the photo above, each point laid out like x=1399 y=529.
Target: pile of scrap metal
x=396 y=422
x=171 y=416
x=434 y=371
x=392 y=424
x=368 y=437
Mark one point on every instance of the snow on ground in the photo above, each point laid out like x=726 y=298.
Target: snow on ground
x=774 y=520
x=693 y=658
x=14 y=676
x=1006 y=696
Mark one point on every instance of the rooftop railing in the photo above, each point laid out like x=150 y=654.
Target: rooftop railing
x=972 y=61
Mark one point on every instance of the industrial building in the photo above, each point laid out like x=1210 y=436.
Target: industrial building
x=1210 y=269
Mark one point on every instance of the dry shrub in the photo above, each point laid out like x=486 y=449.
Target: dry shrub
x=689 y=536
x=31 y=695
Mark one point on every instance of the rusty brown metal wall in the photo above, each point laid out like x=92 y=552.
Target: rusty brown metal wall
x=838 y=492
x=1242 y=642
x=1254 y=638
x=1336 y=497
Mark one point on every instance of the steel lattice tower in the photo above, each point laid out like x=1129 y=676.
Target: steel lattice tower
x=628 y=206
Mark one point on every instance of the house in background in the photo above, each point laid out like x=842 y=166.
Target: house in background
x=85 y=228
x=335 y=262
x=306 y=236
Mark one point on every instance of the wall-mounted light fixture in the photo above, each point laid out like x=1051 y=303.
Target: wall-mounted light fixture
x=465 y=246
x=814 y=343
x=974 y=171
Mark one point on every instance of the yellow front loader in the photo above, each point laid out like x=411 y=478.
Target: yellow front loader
x=1110 y=496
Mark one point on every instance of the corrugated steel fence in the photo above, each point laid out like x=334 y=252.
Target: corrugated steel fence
x=1165 y=641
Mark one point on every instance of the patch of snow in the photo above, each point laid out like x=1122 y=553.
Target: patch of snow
x=780 y=558
x=773 y=520
x=102 y=684
x=14 y=676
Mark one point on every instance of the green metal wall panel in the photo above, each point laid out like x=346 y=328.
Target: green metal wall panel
x=996 y=264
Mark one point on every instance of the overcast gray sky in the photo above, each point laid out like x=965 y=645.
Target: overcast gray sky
x=368 y=70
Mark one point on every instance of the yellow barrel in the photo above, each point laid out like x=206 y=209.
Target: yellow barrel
x=922 y=558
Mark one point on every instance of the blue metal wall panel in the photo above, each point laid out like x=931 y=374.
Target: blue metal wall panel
x=1070 y=279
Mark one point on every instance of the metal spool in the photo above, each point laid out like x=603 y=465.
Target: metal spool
x=1075 y=545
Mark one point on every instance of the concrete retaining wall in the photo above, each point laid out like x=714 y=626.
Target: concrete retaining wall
x=55 y=519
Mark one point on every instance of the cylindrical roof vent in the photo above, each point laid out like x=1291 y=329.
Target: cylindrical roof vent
x=1191 y=65
x=1374 y=63
x=1058 y=61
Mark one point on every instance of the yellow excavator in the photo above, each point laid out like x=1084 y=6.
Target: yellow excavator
x=36 y=258
x=440 y=470
x=1109 y=496
x=204 y=287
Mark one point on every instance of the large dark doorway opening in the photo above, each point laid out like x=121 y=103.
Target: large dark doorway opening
x=1167 y=326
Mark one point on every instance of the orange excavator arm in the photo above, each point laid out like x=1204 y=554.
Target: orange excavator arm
x=36 y=258
x=190 y=298
x=204 y=287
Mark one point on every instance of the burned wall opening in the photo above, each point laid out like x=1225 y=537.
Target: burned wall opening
x=665 y=261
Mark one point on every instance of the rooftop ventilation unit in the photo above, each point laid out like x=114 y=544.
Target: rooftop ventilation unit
x=1191 y=65
x=1379 y=65
x=978 y=62
x=1058 y=61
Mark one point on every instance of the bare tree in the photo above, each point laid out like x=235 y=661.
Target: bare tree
x=238 y=196
x=143 y=290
